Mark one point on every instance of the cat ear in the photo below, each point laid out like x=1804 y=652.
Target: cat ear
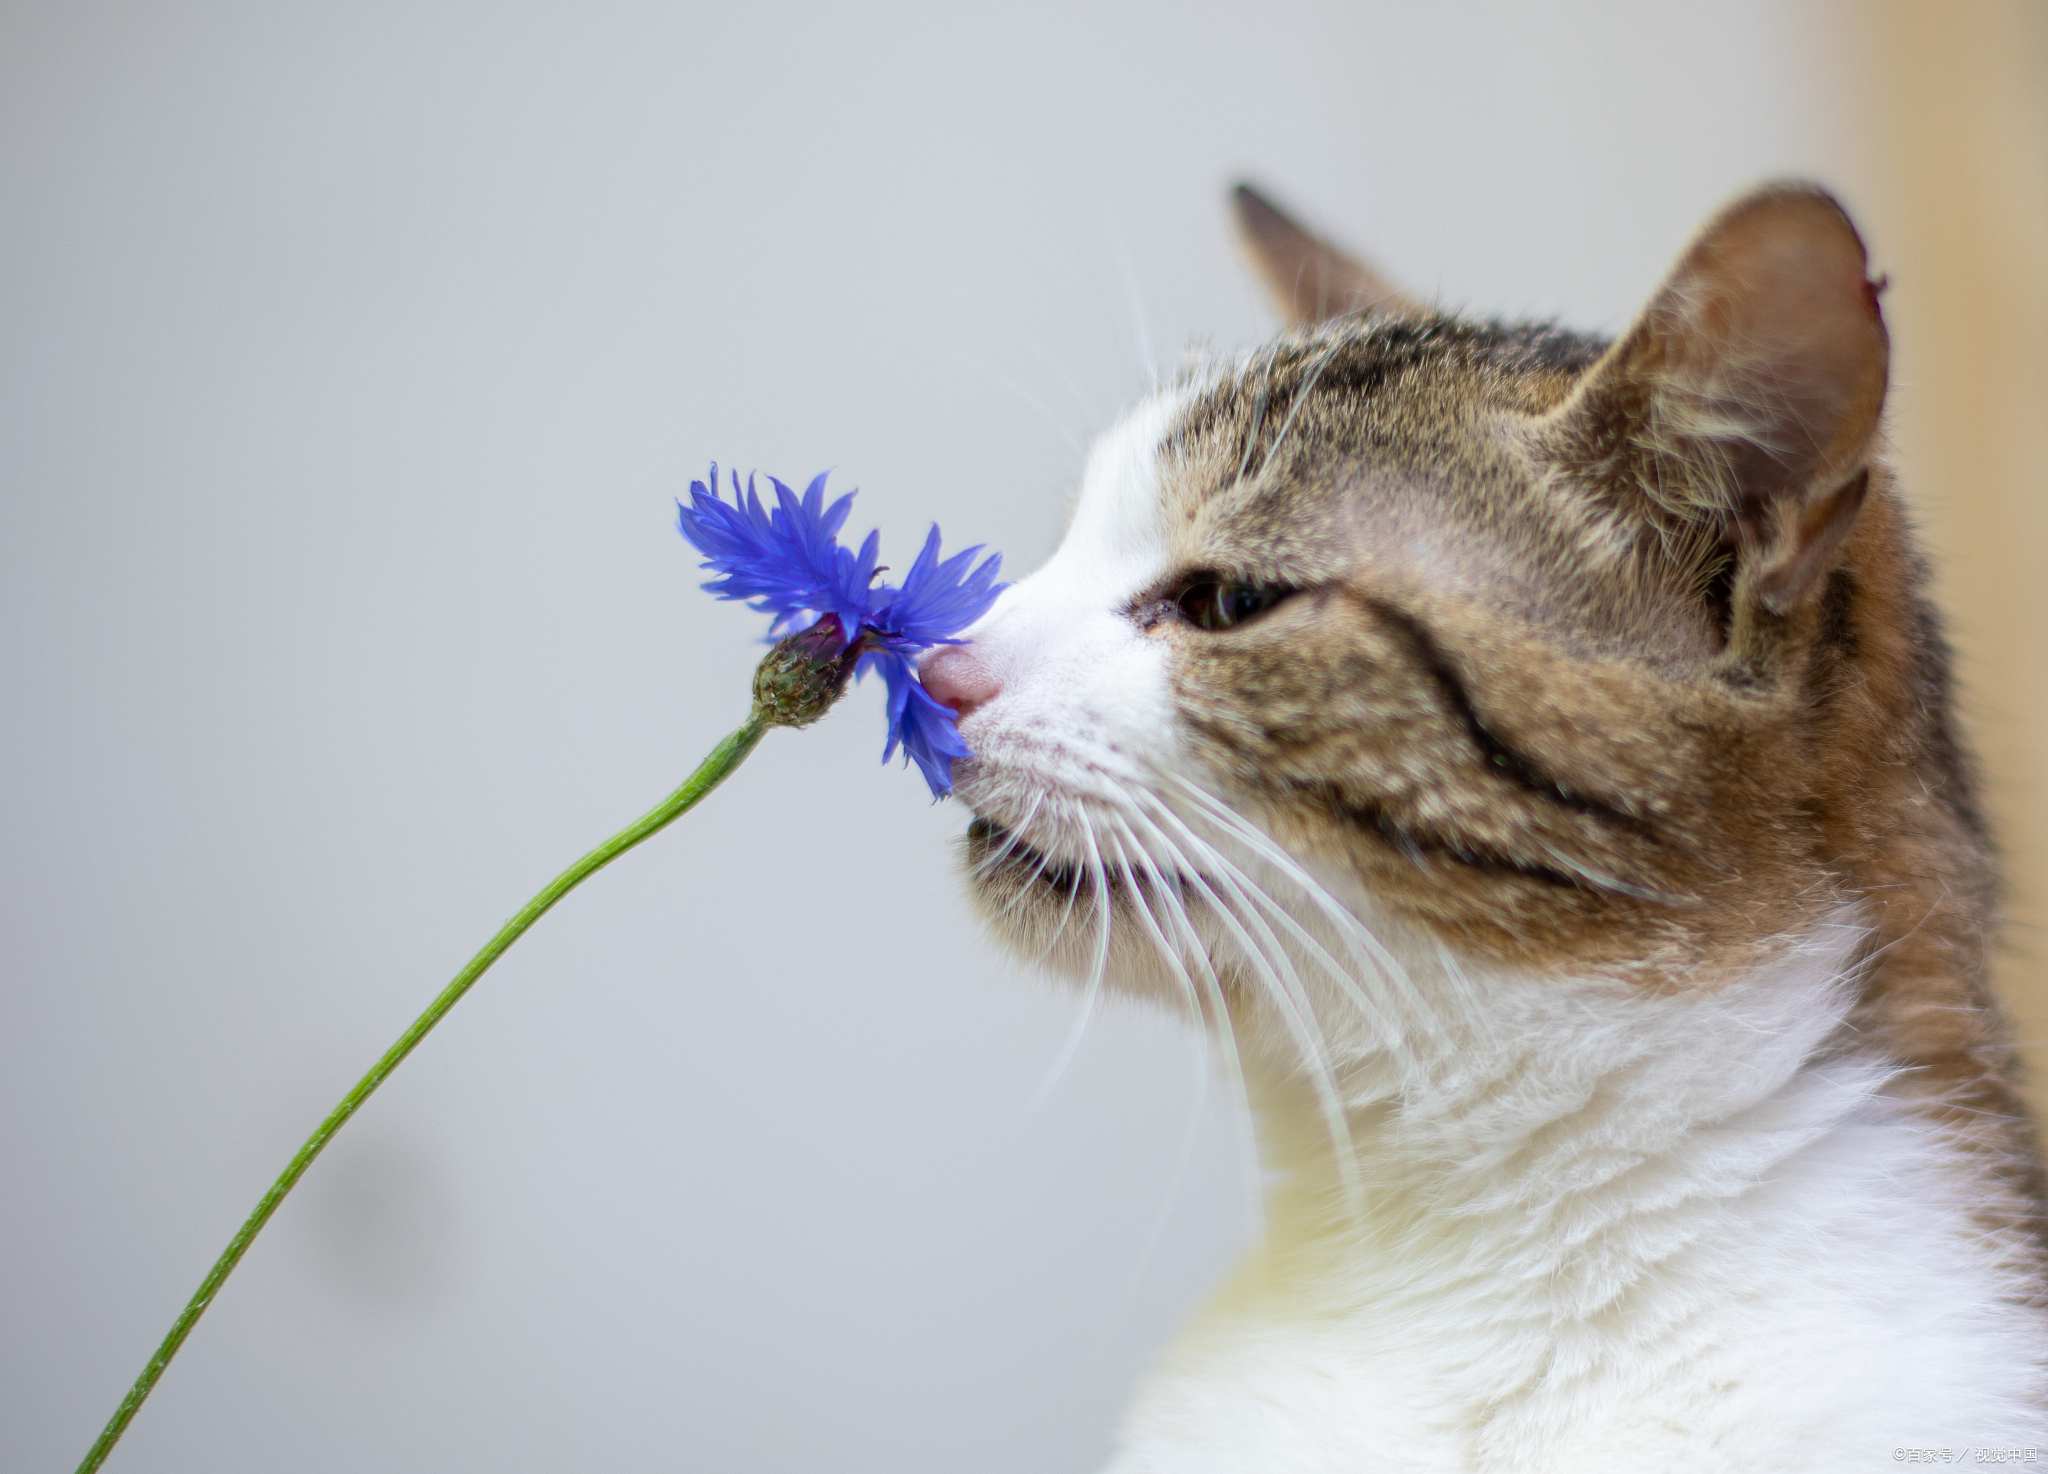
x=1747 y=394
x=1309 y=281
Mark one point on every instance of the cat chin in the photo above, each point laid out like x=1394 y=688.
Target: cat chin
x=1088 y=922
x=1039 y=906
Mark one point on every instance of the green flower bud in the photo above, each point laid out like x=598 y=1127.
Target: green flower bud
x=798 y=681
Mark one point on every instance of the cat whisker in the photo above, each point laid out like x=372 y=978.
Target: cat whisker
x=1073 y=890
x=1002 y=853
x=1937 y=904
x=1012 y=842
x=1371 y=956
x=1140 y=320
x=1098 y=882
x=1217 y=1007
x=1301 y=396
x=1600 y=880
x=1466 y=1004
x=997 y=376
x=1259 y=404
x=1337 y=972
x=1139 y=893
x=1067 y=381
x=1200 y=999
x=1269 y=963
x=1358 y=937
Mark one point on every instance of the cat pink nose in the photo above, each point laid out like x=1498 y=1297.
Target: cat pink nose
x=958 y=678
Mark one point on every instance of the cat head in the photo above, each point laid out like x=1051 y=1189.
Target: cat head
x=1502 y=641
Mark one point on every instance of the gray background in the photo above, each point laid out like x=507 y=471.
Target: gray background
x=350 y=360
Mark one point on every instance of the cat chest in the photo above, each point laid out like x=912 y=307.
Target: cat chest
x=1830 y=1312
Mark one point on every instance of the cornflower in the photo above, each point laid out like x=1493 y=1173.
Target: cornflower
x=786 y=561
x=836 y=620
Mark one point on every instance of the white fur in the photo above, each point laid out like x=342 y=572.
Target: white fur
x=1576 y=1226
x=1084 y=697
x=1606 y=1231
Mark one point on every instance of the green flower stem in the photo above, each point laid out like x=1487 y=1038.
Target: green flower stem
x=728 y=755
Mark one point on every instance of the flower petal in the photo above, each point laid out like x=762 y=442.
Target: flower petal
x=938 y=599
x=784 y=558
x=925 y=730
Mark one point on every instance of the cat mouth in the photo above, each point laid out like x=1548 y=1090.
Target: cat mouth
x=1002 y=857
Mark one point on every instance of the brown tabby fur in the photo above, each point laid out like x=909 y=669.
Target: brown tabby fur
x=1606 y=659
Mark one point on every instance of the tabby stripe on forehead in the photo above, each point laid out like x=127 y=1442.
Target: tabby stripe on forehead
x=1515 y=766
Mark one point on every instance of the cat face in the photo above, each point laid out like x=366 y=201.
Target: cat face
x=1502 y=641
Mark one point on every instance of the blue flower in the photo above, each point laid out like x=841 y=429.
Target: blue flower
x=786 y=561
x=926 y=730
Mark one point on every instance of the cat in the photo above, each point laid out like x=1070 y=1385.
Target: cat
x=1530 y=759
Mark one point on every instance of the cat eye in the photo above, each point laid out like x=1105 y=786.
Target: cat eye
x=1217 y=604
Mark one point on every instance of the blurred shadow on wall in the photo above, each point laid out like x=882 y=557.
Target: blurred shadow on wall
x=381 y=1222
x=1939 y=115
